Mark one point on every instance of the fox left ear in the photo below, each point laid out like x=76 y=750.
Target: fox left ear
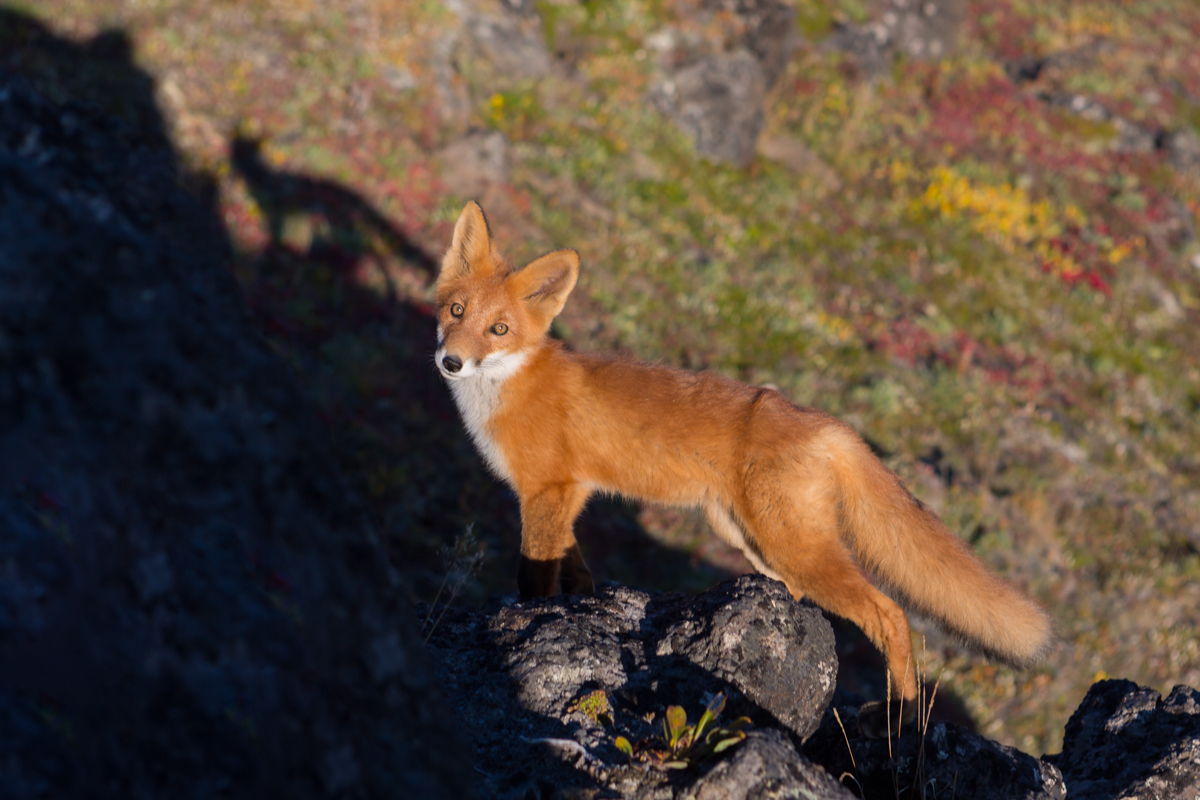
x=470 y=246
x=543 y=286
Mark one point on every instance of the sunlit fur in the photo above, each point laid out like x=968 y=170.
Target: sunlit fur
x=798 y=491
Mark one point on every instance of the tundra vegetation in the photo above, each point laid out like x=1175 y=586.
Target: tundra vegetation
x=985 y=261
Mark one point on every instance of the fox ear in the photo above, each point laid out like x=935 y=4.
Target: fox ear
x=470 y=246
x=543 y=286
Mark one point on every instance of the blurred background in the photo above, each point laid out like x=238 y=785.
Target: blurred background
x=966 y=227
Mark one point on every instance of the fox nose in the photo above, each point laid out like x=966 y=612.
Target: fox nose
x=452 y=363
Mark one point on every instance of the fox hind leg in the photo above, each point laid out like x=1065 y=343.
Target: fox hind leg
x=570 y=573
x=812 y=561
x=721 y=520
x=574 y=575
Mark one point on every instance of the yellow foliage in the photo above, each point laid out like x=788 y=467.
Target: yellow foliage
x=1005 y=215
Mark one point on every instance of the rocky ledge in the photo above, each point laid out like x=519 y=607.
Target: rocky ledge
x=551 y=692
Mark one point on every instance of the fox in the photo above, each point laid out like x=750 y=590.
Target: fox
x=796 y=490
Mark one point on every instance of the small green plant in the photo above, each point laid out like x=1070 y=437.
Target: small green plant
x=594 y=706
x=682 y=745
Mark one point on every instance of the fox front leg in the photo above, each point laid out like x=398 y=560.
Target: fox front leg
x=550 y=557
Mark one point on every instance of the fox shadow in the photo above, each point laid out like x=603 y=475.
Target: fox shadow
x=366 y=353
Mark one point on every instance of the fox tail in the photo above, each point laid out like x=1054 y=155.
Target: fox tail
x=929 y=569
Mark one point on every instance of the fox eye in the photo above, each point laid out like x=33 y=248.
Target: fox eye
x=457 y=309
x=499 y=329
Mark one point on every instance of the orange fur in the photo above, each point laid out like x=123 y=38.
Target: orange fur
x=797 y=490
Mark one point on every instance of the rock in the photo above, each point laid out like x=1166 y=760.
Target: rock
x=524 y=677
x=1125 y=741
x=473 y=162
x=765 y=765
x=753 y=635
x=454 y=104
x=921 y=29
x=765 y=28
x=509 y=39
x=544 y=688
x=1183 y=151
x=1181 y=147
x=1131 y=137
x=192 y=601
x=716 y=70
x=494 y=46
x=718 y=102
x=948 y=761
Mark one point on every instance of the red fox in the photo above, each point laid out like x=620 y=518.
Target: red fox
x=796 y=490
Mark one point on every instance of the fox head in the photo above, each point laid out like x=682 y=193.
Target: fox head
x=490 y=315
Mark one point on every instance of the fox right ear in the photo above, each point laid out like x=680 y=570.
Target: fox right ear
x=470 y=246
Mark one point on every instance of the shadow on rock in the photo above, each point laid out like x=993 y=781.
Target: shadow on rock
x=1129 y=741
x=862 y=674
x=99 y=72
x=938 y=760
x=193 y=602
x=1123 y=741
x=352 y=225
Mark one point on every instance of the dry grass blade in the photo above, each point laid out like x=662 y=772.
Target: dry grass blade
x=861 y=792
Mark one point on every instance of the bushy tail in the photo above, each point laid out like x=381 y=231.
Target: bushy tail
x=929 y=569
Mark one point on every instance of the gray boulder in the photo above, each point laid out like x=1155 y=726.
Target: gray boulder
x=921 y=29
x=765 y=766
x=718 y=102
x=544 y=688
x=764 y=27
x=714 y=87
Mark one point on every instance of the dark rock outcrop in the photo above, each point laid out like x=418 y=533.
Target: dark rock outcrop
x=948 y=759
x=519 y=675
x=544 y=689
x=1127 y=741
x=192 y=603
x=1124 y=741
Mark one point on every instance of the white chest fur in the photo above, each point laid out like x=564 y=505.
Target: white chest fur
x=479 y=397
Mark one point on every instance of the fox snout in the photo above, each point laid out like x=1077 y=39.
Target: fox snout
x=456 y=366
x=450 y=365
